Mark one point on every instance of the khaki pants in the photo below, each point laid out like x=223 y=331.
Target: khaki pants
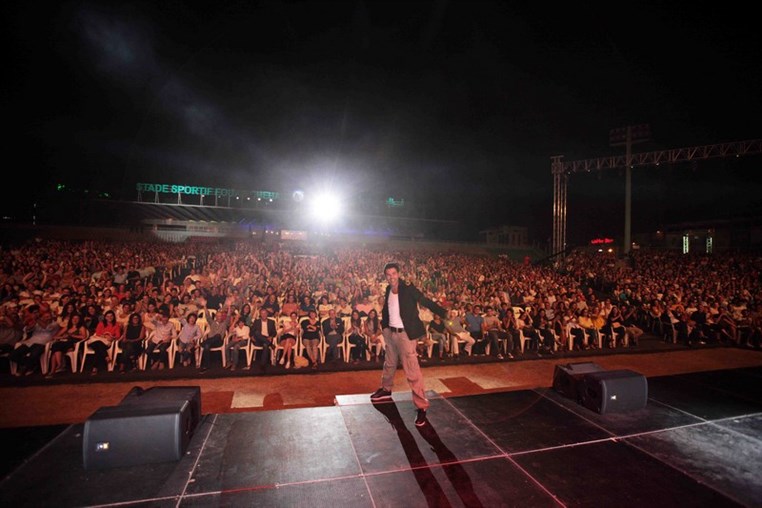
x=399 y=348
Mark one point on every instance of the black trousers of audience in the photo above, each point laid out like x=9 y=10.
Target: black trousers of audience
x=27 y=357
x=156 y=352
x=213 y=341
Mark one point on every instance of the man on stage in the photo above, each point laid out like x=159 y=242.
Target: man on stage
x=402 y=328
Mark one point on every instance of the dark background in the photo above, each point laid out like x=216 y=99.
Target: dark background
x=455 y=107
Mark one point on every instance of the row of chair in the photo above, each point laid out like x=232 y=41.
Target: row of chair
x=251 y=348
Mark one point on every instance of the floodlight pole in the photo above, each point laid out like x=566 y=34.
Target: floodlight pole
x=628 y=136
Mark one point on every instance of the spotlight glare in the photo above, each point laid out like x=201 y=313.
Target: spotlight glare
x=326 y=207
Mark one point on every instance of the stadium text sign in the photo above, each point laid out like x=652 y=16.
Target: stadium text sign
x=166 y=188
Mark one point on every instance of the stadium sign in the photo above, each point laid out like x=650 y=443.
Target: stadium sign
x=165 y=188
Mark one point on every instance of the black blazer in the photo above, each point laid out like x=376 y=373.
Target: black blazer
x=256 y=329
x=410 y=297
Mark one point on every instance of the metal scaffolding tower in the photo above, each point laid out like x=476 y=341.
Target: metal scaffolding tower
x=562 y=170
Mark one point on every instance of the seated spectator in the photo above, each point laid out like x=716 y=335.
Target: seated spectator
x=474 y=324
x=356 y=337
x=263 y=333
x=164 y=332
x=288 y=336
x=11 y=329
x=509 y=323
x=238 y=337
x=65 y=340
x=615 y=322
x=592 y=323
x=218 y=329
x=492 y=329
x=311 y=337
x=629 y=320
x=324 y=307
x=290 y=305
x=526 y=324
x=374 y=334
x=131 y=343
x=547 y=335
x=438 y=334
x=343 y=309
x=271 y=305
x=188 y=338
x=454 y=326
x=333 y=331
x=306 y=307
x=364 y=306
x=575 y=330
x=100 y=342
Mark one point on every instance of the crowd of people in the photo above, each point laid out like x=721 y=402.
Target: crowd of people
x=142 y=302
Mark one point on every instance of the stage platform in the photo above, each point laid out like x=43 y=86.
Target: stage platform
x=696 y=443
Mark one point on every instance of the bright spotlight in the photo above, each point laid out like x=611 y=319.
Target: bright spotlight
x=326 y=207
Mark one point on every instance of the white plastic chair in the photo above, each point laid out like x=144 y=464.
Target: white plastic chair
x=349 y=345
x=44 y=358
x=252 y=348
x=88 y=351
x=73 y=355
x=172 y=350
x=323 y=349
x=278 y=347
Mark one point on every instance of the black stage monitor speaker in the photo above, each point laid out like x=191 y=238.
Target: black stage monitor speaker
x=568 y=378
x=614 y=391
x=129 y=435
x=167 y=396
x=153 y=425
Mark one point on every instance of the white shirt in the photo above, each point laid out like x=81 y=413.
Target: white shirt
x=395 y=320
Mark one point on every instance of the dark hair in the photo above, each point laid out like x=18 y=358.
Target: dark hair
x=388 y=266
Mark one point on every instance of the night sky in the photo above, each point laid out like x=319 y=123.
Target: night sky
x=455 y=107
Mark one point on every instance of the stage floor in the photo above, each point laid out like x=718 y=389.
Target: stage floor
x=696 y=443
